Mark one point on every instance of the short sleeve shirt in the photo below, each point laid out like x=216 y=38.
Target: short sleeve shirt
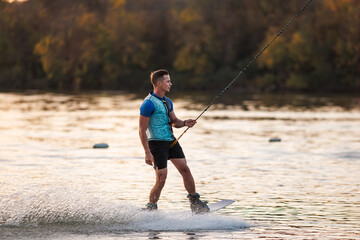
x=147 y=108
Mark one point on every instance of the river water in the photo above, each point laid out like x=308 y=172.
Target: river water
x=54 y=185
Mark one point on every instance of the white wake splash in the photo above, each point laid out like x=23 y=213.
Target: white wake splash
x=59 y=206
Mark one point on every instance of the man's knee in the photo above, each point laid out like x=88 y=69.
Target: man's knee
x=161 y=181
x=161 y=177
x=184 y=170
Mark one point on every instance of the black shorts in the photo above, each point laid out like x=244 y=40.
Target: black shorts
x=162 y=152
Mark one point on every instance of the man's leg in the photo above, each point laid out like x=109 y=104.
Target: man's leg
x=159 y=184
x=184 y=170
x=196 y=205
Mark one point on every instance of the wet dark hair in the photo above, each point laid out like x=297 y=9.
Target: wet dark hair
x=157 y=75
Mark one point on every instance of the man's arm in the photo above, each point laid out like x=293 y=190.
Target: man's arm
x=178 y=123
x=143 y=125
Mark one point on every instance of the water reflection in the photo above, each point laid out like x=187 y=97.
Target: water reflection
x=154 y=235
x=306 y=185
x=243 y=101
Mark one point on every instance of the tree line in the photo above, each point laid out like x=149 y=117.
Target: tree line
x=115 y=44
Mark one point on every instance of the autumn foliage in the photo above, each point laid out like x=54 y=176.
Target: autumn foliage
x=114 y=44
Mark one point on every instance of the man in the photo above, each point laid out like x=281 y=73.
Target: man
x=155 y=129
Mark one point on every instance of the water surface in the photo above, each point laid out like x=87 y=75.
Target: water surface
x=53 y=184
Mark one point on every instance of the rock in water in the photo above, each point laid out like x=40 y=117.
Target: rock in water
x=101 y=145
x=274 y=140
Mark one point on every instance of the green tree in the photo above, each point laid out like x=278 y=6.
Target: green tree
x=314 y=56
x=114 y=44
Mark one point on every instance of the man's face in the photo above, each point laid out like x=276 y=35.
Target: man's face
x=165 y=83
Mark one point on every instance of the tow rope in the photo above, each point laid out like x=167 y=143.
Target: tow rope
x=244 y=69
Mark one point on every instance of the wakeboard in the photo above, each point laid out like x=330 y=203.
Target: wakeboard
x=220 y=204
x=213 y=206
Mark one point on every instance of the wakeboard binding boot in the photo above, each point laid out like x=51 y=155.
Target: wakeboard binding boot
x=197 y=206
x=150 y=207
